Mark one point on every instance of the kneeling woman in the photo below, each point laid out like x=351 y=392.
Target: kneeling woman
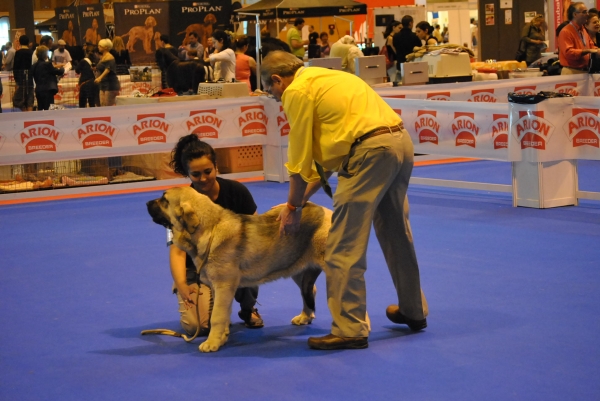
x=198 y=161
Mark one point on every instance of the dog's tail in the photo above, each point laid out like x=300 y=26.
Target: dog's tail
x=125 y=34
x=309 y=278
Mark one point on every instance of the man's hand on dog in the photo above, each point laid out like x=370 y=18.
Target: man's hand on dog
x=185 y=292
x=290 y=222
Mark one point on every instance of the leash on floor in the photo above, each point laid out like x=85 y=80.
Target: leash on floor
x=167 y=332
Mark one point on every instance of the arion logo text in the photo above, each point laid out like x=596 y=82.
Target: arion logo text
x=96 y=131
x=499 y=130
x=282 y=123
x=151 y=128
x=204 y=123
x=39 y=136
x=532 y=130
x=525 y=90
x=583 y=128
x=443 y=96
x=465 y=129
x=427 y=126
x=253 y=120
x=483 y=96
x=567 y=87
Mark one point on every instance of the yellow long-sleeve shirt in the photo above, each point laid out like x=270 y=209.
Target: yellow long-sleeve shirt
x=327 y=110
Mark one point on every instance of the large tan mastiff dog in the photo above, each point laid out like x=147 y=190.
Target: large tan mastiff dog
x=243 y=250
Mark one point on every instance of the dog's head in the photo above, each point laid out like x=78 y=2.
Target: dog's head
x=210 y=19
x=150 y=22
x=175 y=209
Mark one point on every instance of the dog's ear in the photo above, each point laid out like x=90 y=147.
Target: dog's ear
x=189 y=220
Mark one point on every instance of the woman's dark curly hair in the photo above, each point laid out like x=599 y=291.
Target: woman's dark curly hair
x=188 y=148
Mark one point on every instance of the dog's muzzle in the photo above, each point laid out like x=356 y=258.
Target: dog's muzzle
x=155 y=211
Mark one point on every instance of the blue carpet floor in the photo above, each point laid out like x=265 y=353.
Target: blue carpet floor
x=513 y=297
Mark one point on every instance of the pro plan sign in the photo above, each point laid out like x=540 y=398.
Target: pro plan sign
x=532 y=130
x=427 y=126
x=96 y=131
x=253 y=120
x=151 y=128
x=39 y=136
x=282 y=123
x=483 y=96
x=204 y=123
x=499 y=130
x=464 y=129
x=583 y=129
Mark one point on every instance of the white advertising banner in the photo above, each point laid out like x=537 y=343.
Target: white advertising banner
x=555 y=129
x=128 y=130
x=497 y=91
x=459 y=129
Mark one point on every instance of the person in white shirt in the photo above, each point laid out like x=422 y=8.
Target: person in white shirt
x=223 y=61
x=61 y=56
x=9 y=58
x=47 y=41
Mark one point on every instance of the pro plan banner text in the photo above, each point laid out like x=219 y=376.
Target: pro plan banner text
x=68 y=25
x=202 y=17
x=140 y=25
x=91 y=22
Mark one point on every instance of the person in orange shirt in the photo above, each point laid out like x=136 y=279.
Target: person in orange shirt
x=575 y=46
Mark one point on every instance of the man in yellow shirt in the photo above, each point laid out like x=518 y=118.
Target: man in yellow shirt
x=339 y=122
x=294 y=38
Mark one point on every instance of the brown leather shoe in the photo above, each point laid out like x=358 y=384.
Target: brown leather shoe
x=393 y=313
x=251 y=318
x=330 y=342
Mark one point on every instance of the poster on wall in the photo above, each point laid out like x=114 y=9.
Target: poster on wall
x=67 y=24
x=91 y=23
x=490 y=20
x=489 y=9
x=200 y=17
x=15 y=34
x=140 y=25
x=508 y=17
x=529 y=16
x=506 y=3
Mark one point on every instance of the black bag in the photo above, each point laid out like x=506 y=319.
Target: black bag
x=521 y=54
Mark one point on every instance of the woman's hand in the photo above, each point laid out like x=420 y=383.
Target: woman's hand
x=185 y=292
x=97 y=80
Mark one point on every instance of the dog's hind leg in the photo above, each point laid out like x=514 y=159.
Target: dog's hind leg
x=306 y=281
x=221 y=315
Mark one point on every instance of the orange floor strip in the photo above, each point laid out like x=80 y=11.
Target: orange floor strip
x=163 y=187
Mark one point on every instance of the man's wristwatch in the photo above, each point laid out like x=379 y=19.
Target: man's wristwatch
x=294 y=208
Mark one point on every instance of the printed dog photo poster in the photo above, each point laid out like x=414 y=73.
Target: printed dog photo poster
x=68 y=25
x=201 y=17
x=91 y=23
x=140 y=25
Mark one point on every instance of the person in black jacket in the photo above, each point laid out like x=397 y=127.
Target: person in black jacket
x=164 y=56
x=405 y=41
x=44 y=74
x=89 y=93
x=23 y=97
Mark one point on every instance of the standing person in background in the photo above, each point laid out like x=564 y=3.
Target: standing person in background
x=445 y=34
x=210 y=47
x=197 y=160
x=121 y=55
x=473 y=28
x=45 y=77
x=47 y=41
x=164 y=56
x=23 y=97
x=424 y=32
x=294 y=39
x=348 y=51
x=9 y=58
x=534 y=35
x=405 y=41
x=437 y=34
x=223 y=62
x=393 y=28
x=88 y=90
x=245 y=65
x=61 y=56
x=325 y=47
x=593 y=28
x=575 y=47
x=314 y=49
x=107 y=68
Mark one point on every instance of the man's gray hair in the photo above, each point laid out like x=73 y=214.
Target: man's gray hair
x=279 y=63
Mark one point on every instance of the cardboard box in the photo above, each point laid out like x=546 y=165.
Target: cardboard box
x=240 y=159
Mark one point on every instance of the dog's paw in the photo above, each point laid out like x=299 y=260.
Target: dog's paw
x=209 y=346
x=303 y=319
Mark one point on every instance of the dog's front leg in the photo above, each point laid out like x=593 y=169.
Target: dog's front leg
x=221 y=315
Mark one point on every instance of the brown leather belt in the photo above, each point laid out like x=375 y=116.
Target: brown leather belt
x=378 y=131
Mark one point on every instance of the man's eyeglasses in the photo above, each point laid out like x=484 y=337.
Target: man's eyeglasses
x=582 y=12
